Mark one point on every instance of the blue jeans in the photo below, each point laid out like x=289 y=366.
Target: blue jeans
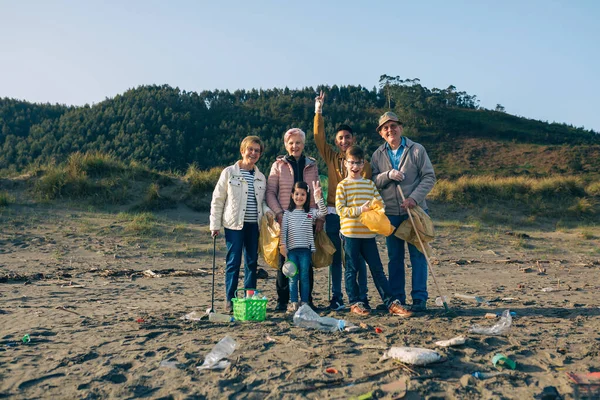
x=245 y=240
x=302 y=258
x=332 y=227
x=367 y=248
x=418 y=261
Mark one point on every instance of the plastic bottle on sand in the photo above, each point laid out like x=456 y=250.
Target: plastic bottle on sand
x=216 y=317
x=305 y=317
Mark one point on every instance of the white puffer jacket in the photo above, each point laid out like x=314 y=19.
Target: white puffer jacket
x=228 y=204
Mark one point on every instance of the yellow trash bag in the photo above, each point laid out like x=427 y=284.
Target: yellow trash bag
x=376 y=220
x=268 y=241
x=323 y=257
x=424 y=226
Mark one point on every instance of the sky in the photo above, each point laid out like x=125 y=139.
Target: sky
x=538 y=58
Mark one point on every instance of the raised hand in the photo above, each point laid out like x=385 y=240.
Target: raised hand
x=319 y=100
x=317 y=191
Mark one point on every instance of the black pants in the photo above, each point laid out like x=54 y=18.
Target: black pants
x=283 y=284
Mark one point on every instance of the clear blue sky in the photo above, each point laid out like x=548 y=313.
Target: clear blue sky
x=540 y=59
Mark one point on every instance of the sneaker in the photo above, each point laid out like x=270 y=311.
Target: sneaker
x=418 y=305
x=359 y=308
x=292 y=308
x=336 y=304
x=398 y=309
x=281 y=306
x=367 y=305
x=228 y=306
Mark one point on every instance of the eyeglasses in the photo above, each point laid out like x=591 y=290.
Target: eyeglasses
x=357 y=163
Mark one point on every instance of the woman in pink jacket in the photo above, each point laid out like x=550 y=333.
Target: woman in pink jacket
x=285 y=172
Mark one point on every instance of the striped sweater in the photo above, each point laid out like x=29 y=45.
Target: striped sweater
x=350 y=196
x=297 y=227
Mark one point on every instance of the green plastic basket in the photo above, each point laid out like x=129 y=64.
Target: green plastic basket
x=247 y=308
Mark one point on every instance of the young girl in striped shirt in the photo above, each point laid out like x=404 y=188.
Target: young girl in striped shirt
x=297 y=240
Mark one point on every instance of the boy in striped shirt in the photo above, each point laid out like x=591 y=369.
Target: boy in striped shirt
x=353 y=197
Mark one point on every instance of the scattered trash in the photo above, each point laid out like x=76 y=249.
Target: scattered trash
x=479 y=300
x=550 y=289
x=150 y=274
x=378 y=330
x=503 y=361
x=412 y=355
x=305 y=317
x=140 y=320
x=491 y=316
x=456 y=341
x=193 y=316
x=332 y=371
x=168 y=364
x=216 y=317
x=223 y=349
x=439 y=301
x=500 y=328
x=486 y=375
x=26 y=339
x=374 y=394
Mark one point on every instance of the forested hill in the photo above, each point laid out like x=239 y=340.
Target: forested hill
x=169 y=129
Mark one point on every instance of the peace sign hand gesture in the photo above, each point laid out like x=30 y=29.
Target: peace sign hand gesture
x=319 y=100
x=318 y=192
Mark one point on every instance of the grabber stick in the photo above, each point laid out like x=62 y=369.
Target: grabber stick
x=212 y=297
x=412 y=221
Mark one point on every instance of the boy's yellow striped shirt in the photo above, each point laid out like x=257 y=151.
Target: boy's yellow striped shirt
x=349 y=197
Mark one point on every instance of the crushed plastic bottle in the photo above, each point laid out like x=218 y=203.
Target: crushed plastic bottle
x=485 y=375
x=305 y=317
x=223 y=349
x=500 y=328
x=216 y=317
x=479 y=300
x=412 y=355
x=439 y=301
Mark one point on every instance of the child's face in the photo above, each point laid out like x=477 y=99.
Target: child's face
x=355 y=167
x=299 y=197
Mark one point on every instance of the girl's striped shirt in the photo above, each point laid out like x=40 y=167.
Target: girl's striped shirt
x=297 y=227
x=351 y=194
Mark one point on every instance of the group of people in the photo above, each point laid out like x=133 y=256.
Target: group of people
x=400 y=175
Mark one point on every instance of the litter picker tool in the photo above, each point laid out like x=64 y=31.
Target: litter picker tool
x=412 y=221
x=212 y=291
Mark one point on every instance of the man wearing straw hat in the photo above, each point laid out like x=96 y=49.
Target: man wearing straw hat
x=401 y=168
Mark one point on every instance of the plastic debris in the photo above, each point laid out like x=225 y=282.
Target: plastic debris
x=550 y=289
x=331 y=371
x=140 y=320
x=215 y=359
x=305 y=317
x=412 y=355
x=485 y=375
x=216 y=317
x=456 y=341
x=26 y=339
x=503 y=361
x=193 y=316
x=500 y=328
x=439 y=301
x=378 y=330
x=479 y=300
x=168 y=364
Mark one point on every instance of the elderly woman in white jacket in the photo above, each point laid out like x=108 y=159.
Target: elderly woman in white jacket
x=238 y=204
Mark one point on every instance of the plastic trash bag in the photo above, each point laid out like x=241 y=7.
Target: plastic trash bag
x=423 y=225
x=376 y=220
x=268 y=241
x=412 y=355
x=323 y=257
x=501 y=327
x=223 y=349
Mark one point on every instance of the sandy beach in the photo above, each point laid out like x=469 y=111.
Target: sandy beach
x=72 y=279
